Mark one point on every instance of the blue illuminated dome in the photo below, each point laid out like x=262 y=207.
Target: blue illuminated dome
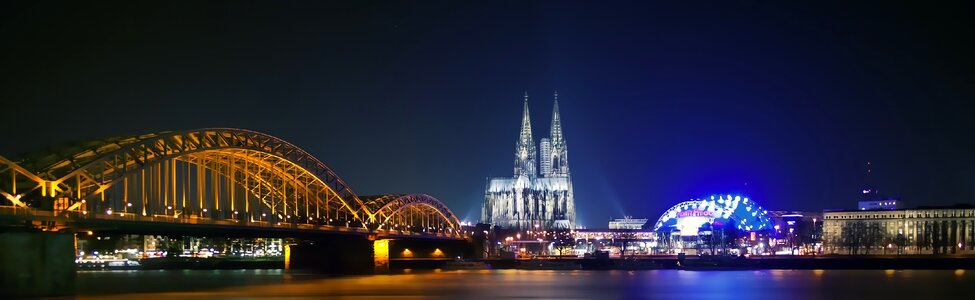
x=688 y=216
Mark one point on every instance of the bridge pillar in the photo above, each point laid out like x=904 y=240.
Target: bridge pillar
x=333 y=255
x=432 y=248
x=36 y=264
x=427 y=253
x=380 y=255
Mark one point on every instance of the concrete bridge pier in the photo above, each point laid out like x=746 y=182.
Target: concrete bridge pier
x=429 y=249
x=35 y=263
x=370 y=255
x=427 y=253
x=336 y=255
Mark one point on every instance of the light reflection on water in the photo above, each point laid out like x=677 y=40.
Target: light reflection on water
x=420 y=284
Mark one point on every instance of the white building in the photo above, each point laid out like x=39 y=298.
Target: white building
x=924 y=230
x=627 y=223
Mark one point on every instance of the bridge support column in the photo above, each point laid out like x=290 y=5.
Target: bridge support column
x=334 y=255
x=36 y=264
x=427 y=253
x=380 y=255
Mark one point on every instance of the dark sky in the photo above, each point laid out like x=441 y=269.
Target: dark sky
x=660 y=102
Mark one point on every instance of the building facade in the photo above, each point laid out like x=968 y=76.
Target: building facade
x=627 y=223
x=934 y=230
x=796 y=232
x=529 y=199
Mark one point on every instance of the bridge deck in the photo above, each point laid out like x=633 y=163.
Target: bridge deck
x=119 y=220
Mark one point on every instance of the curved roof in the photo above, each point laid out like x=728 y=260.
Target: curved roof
x=747 y=214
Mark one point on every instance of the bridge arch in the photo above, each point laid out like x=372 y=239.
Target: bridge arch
x=139 y=174
x=391 y=211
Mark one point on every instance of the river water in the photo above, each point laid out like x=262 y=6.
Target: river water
x=535 y=284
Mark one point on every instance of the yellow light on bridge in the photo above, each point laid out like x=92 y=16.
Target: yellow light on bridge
x=287 y=257
x=380 y=250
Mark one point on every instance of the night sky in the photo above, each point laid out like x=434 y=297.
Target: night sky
x=660 y=102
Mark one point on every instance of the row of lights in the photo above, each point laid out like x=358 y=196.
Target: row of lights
x=109 y=212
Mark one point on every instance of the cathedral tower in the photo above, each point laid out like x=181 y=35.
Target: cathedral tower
x=525 y=147
x=558 y=159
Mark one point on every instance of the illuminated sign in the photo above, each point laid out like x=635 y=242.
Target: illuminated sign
x=694 y=213
x=689 y=225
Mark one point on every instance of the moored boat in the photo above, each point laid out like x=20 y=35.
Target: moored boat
x=466 y=265
x=718 y=263
x=107 y=264
x=540 y=264
x=635 y=264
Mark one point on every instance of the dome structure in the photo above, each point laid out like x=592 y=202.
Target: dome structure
x=718 y=210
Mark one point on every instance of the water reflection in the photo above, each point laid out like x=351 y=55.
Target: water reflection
x=425 y=284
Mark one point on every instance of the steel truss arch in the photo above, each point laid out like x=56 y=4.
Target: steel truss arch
x=388 y=207
x=80 y=173
x=208 y=176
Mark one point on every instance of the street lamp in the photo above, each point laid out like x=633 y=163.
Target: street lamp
x=792 y=241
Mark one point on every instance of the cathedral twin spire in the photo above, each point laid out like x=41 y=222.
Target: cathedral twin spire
x=540 y=193
x=556 y=130
x=553 y=150
x=525 y=148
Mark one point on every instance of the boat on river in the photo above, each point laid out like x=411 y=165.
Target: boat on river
x=465 y=265
x=542 y=264
x=717 y=263
x=107 y=264
x=635 y=264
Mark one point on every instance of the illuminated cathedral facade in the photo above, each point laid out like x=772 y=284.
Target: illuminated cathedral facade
x=533 y=199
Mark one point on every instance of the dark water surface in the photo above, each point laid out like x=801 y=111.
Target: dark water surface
x=655 y=284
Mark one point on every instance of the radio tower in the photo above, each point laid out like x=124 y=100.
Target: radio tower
x=869 y=191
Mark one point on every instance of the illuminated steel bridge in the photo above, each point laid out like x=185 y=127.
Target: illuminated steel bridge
x=216 y=176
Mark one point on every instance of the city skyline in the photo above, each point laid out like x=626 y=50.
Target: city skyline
x=787 y=114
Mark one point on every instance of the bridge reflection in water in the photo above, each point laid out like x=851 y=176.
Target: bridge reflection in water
x=205 y=181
